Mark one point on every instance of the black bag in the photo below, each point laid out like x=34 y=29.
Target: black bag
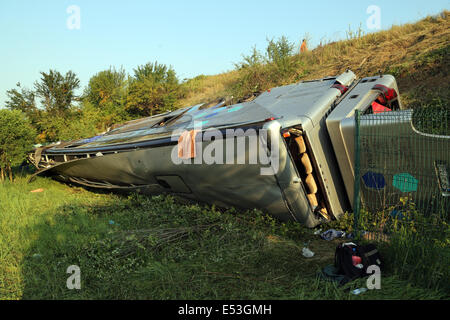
x=343 y=260
x=370 y=256
x=344 y=263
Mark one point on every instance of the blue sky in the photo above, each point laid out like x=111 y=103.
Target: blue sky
x=195 y=37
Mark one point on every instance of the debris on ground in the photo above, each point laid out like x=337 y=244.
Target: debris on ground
x=359 y=290
x=332 y=234
x=307 y=253
x=331 y=273
x=37 y=190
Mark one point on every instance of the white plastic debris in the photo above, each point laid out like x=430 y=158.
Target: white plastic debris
x=359 y=290
x=307 y=253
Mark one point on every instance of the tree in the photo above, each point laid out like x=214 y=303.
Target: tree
x=16 y=139
x=57 y=92
x=106 y=87
x=23 y=100
x=158 y=73
x=106 y=94
x=154 y=88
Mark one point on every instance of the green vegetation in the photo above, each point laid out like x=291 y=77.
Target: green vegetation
x=259 y=72
x=16 y=136
x=153 y=89
x=57 y=91
x=111 y=97
x=105 y=98
x=136 y=247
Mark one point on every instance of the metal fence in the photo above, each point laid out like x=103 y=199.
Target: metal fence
x=402 y=182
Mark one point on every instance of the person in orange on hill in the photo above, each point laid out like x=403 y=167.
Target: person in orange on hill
x=303 y=47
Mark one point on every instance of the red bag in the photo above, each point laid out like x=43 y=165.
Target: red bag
x=378 y=108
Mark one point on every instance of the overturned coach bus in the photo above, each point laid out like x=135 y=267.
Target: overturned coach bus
x=287 y=151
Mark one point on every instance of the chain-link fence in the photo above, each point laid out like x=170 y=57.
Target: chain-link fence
x=402 y=182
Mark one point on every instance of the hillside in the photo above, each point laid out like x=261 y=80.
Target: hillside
x=416 y=54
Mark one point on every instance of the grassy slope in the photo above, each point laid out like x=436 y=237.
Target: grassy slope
x=233 y=255
x=417 y=54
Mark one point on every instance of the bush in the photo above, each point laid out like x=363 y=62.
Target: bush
x=260 y=72
x=279 y=54
x=16 y=139
x=79 y=123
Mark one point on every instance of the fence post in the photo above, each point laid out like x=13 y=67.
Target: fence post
x=356 y=197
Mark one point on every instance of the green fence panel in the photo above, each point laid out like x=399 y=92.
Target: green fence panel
x=402 y=161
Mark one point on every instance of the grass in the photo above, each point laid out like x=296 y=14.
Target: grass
x=137 y=247
x=205 y=88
